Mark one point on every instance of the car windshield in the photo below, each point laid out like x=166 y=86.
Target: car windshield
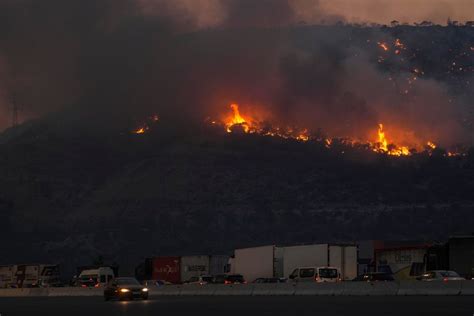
x=127 y=281
x=235 y=278
x=207 y=279
x=89 y=278
x=307 y=273
x=328 y=273
x=447 y=274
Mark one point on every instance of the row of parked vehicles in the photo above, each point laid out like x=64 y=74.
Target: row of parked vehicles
x=102 y=276
x=129 y=288
x=323 y=275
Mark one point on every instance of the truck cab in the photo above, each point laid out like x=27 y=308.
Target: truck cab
x=316 y=274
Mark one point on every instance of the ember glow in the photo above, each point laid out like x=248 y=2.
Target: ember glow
x=144 y=127
x=431 y=145
x=141 y=130
x=384 y=46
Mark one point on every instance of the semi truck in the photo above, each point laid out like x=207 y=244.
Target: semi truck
x=29 y=275
x=280 y=262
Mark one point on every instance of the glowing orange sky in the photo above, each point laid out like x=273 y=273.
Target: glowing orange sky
x=384 y=11
x=210 y=13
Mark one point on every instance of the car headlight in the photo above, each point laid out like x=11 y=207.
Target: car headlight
x=145 y=289
x=124 y=290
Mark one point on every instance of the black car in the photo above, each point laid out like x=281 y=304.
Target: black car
x=374 y=277
x=270 y=280
x=229 y=279
x=125 y=289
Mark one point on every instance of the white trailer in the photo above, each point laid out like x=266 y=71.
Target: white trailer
x=253 y=263
x=194 y=266
x=342 y=257
x=28 y=275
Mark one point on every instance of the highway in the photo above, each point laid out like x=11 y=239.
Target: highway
x=243 y=306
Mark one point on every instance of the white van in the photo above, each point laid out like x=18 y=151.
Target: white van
x=316 y=274
x=95 y=277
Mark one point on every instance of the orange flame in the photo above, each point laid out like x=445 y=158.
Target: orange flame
x=141 y=130
x=383 y=145
x=237 y=120
x=382 y=140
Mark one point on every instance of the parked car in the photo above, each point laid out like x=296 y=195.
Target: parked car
x=203 y=279
x=316 y=274
x=375 y=276
x=125 y=289
x=270 y=280
x=155 y=283
x=228 y=279
x=440 y=275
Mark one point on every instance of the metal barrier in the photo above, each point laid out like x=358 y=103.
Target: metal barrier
x=74 y=291
x=370 y=288
x=467 y=287
x=234 y=289
x=283 y=289
x=403 y=288
x=166 y=290
x=310 y=288
x=196 y=289
x=14 y=292
x=263 y=289
x=429 y=288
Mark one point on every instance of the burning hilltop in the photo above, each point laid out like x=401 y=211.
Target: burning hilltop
x=379 y=140
x=381 y=143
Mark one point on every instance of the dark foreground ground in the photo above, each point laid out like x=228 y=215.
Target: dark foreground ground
x=242 y=306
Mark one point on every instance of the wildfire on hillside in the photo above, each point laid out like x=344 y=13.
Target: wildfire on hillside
x=236 y=121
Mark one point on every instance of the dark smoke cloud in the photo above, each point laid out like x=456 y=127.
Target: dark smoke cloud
x=115 y=60
x=263 y=13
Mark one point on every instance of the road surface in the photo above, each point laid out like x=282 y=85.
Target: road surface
x=243 y=306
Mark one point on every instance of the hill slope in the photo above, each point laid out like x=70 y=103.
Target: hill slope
x=71 y=196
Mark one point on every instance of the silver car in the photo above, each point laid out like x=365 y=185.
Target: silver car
x=440 y=275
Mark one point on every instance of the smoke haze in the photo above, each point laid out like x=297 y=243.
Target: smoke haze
x=118 y=59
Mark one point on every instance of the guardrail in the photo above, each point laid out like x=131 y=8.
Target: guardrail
x=404 y=288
